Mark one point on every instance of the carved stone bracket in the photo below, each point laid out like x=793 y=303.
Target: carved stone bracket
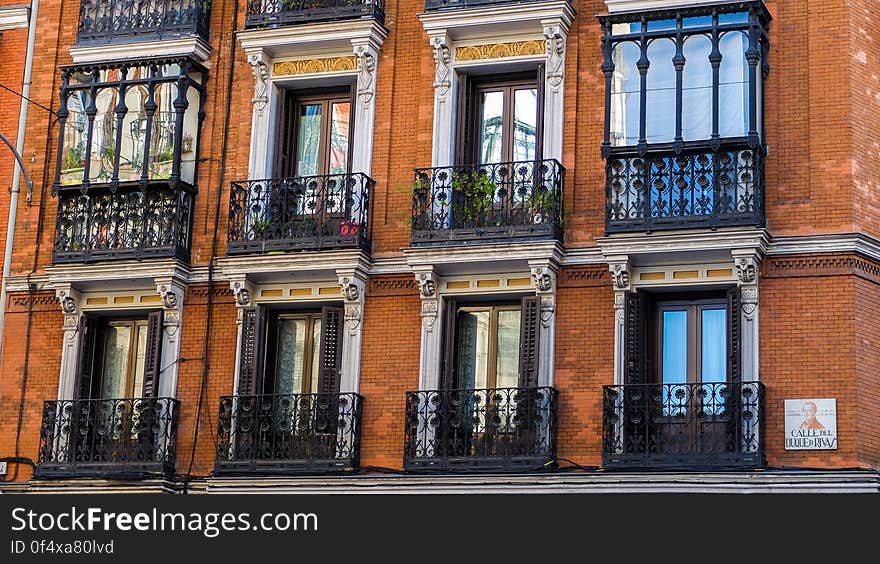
x=69 y=300
x=172 y=297
x=555 y=38
x=443 y=61
x=260 y=69
x=747 y=278
x=430 y=306
x=621 y=275
x=353 y=285
x=243 y=292
x=544 y=281
x=746 y=270
x=366 y=81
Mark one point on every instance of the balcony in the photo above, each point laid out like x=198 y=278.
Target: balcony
x=697 y=187
x=503 y=429
x=441 y=4
x=683 y=426
x=490 y=202
x=288 y=434
x=107 y=438
x=123 y=21
x=308 y=213
x=125 y=222
x=276 y=13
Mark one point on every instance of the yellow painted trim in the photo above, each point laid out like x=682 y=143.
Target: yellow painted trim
x=331 y=290
x=123 y=300
x=488 y=283
x=300 y=291
x=686 y=274
x=312 y=66
x=719 y=272
x=151 y=299
x=96 y=301
x=519 y=281
x=652 y=276
x=271 y=293
x=458 y=284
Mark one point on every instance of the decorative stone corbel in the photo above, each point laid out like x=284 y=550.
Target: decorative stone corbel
x=544 y=274
x=554 y=35
x=747 y=263
x=69 y=300
x=443 y=62
x=172 y=298
x=243 y=292
x=366 y=81
x=353 y=285
x=427 y=282
x=260 y=69
x=544 y=281
x=620 y=275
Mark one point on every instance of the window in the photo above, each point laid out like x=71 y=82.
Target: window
x=315 y=135
x=500 y=119
x=296 y=340
x=119 y=357
x=131 y=122
x=689 y=76
x=491 y=346
x=692 y=342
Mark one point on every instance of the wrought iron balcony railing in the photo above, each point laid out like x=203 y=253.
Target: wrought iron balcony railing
x=683 y=425
x=697 y=187
x=121 y=21
x=128 y=222
x=500 y=201
x=300 y=213
x=263 y=13
x=288 y=434
x=131 y=437
x=489 y=429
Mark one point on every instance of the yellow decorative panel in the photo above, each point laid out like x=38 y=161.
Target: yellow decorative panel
x=488 y=283
x=312 y=66
x=332 y=290
x=123 y=300
x=686 y=274
x=96 y=301
x=151 y=299
x=499 y=50
x=458 y=284
x=652 y=276
x=277 y=293
x=519 y=281
x=719 y=273
x=300 y=291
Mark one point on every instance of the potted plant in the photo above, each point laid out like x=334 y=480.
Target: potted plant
x=543 y=204
x=474 y=193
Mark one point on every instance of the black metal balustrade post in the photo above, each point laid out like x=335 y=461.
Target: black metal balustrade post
x=288 y=434
x=692 y=425
x=498 y=429
x=497 y=201
x=131 y=437
x=300 y=213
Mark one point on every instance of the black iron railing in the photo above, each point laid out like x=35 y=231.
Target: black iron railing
x=106 y=21
x=501 y=201
x=697 y=187
x=684 y=425
x=298 y=433
x=440 y=4
x=300 y=213
x=131 y=437
x=489 y=429
x=287 y=12
x=127 y=222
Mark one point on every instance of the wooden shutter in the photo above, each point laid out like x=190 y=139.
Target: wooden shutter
x=284 y=137
x=250 y=365
x=88 y=330
x=734 y=333
x=153 y=355
x=539 y=128
x=330 y=369
x=636 y=354
x=464 y=123
x=447 y=375
x=530 y=322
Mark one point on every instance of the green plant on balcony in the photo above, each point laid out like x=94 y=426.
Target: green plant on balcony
x=261 y=227
x=542 y=204
x=72 y=162
x=474 y=194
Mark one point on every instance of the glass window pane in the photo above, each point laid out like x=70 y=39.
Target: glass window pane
x=525 y=136
x=674 y=347
x=117 y=340
x=660 y=112
x=625 y=89
x=308 y=142
x=289 y=356
x=140 y=359
x=696 y=102
x=189 y=141
x=661 y=25
x=472 y=344
x=134 y=134
x=736 y=17
x=73 y=153
x=713 y=346
x=697 y=21
x=625 y=28
x=103 y=136
x=733 y=91
x=162 y=136
x=491 y=127
x=316 y=354
x=339 y=124
x=507 y=362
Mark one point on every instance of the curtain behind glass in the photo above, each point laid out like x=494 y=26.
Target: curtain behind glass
x=625 y=89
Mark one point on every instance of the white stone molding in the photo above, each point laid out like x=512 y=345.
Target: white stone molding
x=642 y=5
x=69 y=299
x=353 y=284
x=544 y=21
x=431 y=327
x=172 y=291
x=621 y=279
x=193 y=47
x=266 y=47
x=14 y=17
x=747 y=264
x=544 y=274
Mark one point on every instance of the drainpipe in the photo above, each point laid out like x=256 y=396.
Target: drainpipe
x=16 y=174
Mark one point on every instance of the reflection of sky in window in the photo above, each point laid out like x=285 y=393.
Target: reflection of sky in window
x=525 y=117
x=714 y=345
x=674 y=347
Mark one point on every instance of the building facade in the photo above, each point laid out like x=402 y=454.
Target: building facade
x=451 y=245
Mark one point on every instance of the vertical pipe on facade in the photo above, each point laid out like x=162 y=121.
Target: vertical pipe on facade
x=16 y=174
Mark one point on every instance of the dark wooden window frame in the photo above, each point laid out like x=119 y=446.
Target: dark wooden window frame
x=492 y=351
x=694 y=332
x=311 y=348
